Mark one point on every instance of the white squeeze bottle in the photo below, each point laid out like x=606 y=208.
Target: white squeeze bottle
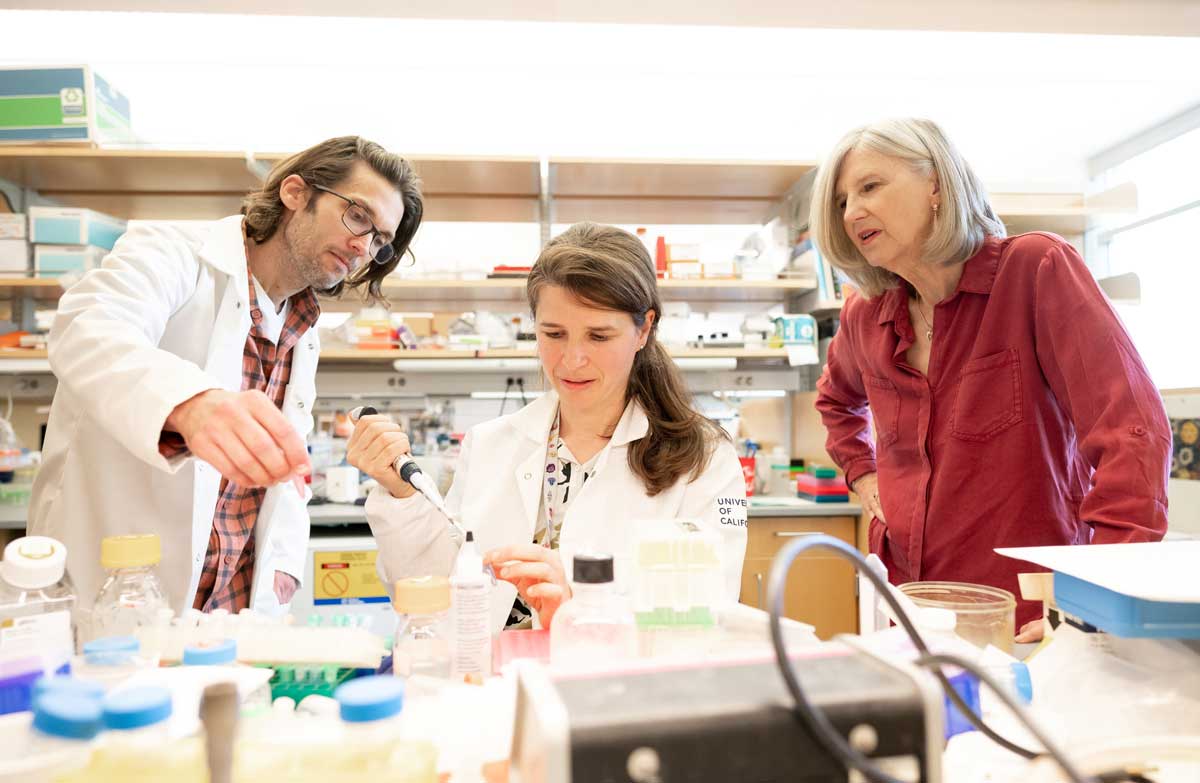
x=470 y=603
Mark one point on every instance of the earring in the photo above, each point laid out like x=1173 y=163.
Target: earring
x=936 y=207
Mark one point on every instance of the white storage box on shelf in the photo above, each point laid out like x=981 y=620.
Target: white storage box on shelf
x=74 y=226
x=60 y=260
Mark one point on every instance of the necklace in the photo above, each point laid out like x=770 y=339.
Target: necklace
x=928 y=326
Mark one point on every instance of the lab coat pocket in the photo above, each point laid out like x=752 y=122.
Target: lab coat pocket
x=988 y=400
x=876 y=534
x=884 y=402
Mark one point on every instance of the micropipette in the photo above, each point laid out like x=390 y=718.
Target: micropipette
x=410 y=471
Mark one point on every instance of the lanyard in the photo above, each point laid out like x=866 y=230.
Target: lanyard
x=551 y=476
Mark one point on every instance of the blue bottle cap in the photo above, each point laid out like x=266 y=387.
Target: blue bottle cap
x=111 y=650
x=72 y=686
x=67 y=715
x=1022 y=681
x=370 y=698
x=136 y=708
x=210 y=653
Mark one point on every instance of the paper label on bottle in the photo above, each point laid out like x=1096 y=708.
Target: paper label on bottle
x=37 y=633
x=472 y=628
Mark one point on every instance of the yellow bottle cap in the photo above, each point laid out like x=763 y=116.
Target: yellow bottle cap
x=422 y=595
x=130 y=551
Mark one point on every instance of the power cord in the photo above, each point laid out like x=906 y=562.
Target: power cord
x=816 y=721
x=508 y=384
x=521 y=389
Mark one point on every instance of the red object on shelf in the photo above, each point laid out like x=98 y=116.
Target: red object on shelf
x=511 y=645
x=660 y=257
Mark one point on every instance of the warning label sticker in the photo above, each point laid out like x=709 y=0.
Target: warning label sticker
x=346 y=578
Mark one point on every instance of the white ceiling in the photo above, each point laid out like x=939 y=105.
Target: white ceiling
x=1027 y=109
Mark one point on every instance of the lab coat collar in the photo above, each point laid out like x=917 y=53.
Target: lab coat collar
x=225 y=249
x=535 y=419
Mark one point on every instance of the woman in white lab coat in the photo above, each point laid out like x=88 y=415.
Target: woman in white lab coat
x=613 y=444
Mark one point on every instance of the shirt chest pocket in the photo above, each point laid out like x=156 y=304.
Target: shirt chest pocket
x=884 y=401
x=988 y=400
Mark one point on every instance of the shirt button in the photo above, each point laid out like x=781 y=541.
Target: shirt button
x=300 y=404
x=228 y=559
x=1138 y=430
x=528 y=476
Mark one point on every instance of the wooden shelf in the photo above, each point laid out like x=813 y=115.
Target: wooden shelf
x=1066 y=214
x=355 y=355
x=464 y=294
x=47 y=288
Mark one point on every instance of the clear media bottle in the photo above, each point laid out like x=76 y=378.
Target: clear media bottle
x=36 y=600
x=470 y=605
x=595 y=627
x=422 y=642
x=132 y=593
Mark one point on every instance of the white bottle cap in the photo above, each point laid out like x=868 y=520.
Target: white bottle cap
x=33 y=562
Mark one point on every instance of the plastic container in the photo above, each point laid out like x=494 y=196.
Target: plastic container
x=136 y=746
x=71 y=686
x=985 y=615
x=56 y=739
x=422 y=645
x=374 y=734
x=594 y=629
x=110 y=660
x=470 y=601
x=132 y=593
x=224 y=653
x=36 y=600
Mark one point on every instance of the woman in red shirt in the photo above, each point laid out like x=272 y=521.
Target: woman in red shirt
x=1010 y=407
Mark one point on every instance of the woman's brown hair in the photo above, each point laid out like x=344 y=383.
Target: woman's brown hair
x=328 y=164
x=608 y=268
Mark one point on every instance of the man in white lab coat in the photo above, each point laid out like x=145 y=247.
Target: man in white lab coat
x=186 y=378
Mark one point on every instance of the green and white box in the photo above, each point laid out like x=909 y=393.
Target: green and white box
x=57 y=260
x=12 y=225
x=61 y=104
x=14 y=258
x=74 y=226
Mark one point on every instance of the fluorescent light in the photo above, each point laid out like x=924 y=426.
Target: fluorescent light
x=699 y=363
x=465 y=365
x=746 y=394
x=512 y=395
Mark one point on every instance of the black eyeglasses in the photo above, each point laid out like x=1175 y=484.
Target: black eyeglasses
x=358 y=222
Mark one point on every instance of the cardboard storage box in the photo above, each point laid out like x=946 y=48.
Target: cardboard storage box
x=65 y=103
x=56 y=260
x=73 y=226
x=14 y=258
x=12 y=225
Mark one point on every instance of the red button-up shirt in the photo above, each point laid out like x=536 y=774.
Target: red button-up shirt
x=1036 y=425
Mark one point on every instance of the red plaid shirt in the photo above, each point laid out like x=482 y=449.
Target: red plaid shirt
x=228 y=573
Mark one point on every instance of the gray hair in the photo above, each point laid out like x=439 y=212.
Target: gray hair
x=964 y=220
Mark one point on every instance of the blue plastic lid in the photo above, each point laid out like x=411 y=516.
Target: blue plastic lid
x=72 y=686
x=136 y=708
x=211 y=653
x=67 y=715
x=111 y=650
x=1022 y=681
x=370 y=698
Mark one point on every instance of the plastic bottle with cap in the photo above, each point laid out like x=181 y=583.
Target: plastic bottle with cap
x=132 y=593
x=138 y=747
x=422 y=645
x=595 y=628
x=56 y=739
x=224 y=652
x=110 y=660
x=36 y=602
x=470 y=606
x=373 y=733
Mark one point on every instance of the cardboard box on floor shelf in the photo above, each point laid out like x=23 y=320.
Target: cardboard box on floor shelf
x=14 y=258
x=57 y=260
x=12 y=225
x=73 y=226
x=420 y=326
x=61 y=104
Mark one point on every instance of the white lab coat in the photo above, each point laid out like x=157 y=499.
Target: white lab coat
x=497 y=492
x=165 y=318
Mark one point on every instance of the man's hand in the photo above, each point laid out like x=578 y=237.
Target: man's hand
x=285 y=587
x=537 y=573
x=244 y=436
x=1032 y=631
